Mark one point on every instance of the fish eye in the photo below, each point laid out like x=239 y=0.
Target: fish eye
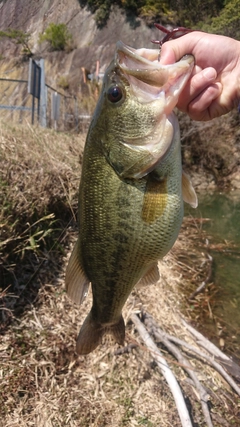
x=115 y=93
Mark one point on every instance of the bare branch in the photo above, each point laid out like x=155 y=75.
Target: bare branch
x=185 y=364
x=210 y=360
x=166 y=371
x=203 y=285
x=205 y=343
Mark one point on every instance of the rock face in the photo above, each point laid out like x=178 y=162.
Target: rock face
x=90 y=43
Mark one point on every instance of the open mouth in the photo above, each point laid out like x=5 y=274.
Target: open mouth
x=148 y=78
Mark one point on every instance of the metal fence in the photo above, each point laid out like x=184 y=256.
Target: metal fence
x=35 y=101
x=15 y=101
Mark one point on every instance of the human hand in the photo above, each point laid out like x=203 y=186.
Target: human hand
x=214 y=86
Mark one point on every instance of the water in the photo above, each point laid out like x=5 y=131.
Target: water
x=223 y=210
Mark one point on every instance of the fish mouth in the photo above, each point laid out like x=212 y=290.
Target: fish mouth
x=150 y=80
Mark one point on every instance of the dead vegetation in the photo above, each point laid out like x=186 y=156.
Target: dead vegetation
x=39 y=177
x=42 y=380
x=212 y=146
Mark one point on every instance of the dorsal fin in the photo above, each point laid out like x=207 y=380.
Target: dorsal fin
x=76 y=280
x=188 y=192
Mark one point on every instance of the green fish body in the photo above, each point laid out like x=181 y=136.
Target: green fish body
x=130 y=196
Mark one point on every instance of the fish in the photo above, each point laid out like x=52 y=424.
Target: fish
x=131 y=190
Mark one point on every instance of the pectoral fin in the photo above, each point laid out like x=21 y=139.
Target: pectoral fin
x=189 y=195
x=76 y=280
x=155 y=200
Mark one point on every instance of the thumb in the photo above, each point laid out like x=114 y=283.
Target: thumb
x=174 y=50
x=168 y=54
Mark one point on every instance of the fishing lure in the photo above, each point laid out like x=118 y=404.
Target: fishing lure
x=170 y=35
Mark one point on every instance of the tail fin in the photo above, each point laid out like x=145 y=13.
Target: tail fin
x=92 y=332
x=118 y=331
x=90 y=335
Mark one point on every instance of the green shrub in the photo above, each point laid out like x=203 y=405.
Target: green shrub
x=63 y=82
x=227 y=22
x=19 y=37
x=57 y=35
x=102 y=15
x=176 y=12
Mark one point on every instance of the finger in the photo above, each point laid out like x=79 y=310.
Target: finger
x=203 y=106
x=199 y=82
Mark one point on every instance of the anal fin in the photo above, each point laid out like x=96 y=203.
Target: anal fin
x=150 y=277
x=76 y=280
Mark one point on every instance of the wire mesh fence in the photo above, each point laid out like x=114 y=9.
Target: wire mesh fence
x=15 y=101
x=61 y=112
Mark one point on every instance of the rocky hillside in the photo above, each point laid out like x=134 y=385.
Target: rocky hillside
x=212 y=149
x=90 y=43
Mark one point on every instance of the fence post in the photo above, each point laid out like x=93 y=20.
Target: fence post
x=43 y=97
x=55 y=107
x=76 y=114
x=34 y=83
x=33 y=94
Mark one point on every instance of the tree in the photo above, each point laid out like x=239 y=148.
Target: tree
x=227 y=22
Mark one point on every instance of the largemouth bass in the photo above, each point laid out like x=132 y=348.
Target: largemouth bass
x=131 y=190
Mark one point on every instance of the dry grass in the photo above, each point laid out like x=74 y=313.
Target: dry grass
x=39 y=177
x=42 y=380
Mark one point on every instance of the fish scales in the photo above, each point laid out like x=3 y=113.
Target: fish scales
x=130 y=196
x=112 y=220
